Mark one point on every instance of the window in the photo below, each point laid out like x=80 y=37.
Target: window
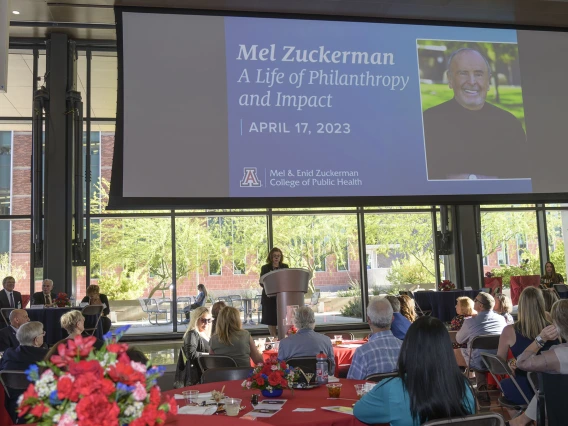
x=214 y=267
x=503 y=255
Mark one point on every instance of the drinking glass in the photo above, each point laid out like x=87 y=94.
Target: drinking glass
x=190 y=397
x=334 y=390
x=338 y=339
x=232 y=406
x=360 y=390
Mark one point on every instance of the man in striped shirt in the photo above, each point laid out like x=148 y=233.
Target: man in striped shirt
x=380 y=354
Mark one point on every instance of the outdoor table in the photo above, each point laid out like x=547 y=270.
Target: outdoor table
x=51 y=320
x=247 y=310
x=299 y=398
x=442 y=303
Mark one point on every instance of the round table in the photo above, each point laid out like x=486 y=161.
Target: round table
x=310 y=398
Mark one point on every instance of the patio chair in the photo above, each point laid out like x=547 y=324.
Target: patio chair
x=215 y=361
x=256 y=307
x=182 y=302
x=237 y=302
x=496 y=367
x=92 y=310
x=155 y=307
x=483 y=419
x=225 y=299
x=225 y=374
x=377 y=377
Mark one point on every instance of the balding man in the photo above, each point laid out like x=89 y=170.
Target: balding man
x=461 y=132
x=380 y=354
x=46 y=296
x=18 y=317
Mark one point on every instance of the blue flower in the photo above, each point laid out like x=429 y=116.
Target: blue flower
x=124 y=388
x=264 y=376
x=121 y=330
x=107 y=336
x=53 y=399
x=159 y=370
x=32 y=373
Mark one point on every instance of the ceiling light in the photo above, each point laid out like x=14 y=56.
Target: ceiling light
x=16 y=12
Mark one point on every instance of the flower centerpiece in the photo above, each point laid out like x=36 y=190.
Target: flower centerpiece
x=271 y=377
x=82 y=386
x=62 y=300
x=291 y=330
x=446 y=285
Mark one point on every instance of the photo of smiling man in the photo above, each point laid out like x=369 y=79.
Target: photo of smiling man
x=476 y=127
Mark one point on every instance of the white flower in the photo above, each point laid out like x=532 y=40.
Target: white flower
x=134 y=410
x=66 y=420
x=274 y=368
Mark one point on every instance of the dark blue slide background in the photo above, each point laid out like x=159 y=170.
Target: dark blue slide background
x=386 y=142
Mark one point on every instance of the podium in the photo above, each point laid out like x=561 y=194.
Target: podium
x=288 y=286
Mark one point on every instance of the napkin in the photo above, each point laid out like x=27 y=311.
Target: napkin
x=332 y=379
x=197 y=409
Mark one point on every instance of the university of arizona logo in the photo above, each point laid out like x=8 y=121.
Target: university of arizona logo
x=250 y=178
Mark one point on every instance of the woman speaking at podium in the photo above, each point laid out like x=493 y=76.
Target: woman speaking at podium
x=269 y=317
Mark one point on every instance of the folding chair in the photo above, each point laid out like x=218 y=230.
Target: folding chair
x=496 y=367
x=225 y=374
x=377 y=377
x=553 y=388
x=485 y=342
x=484 y=419
x=92 y=310
x=215 y=361
x=15 y=383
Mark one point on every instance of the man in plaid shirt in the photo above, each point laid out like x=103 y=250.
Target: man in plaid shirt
x=380 y=354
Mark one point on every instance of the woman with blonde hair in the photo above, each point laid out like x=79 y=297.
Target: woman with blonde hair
x=532 y=318
x=195 y=341
x=550 y=298
x=231 y=340
x=407 y=307
x=504 y=307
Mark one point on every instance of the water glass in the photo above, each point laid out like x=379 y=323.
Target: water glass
x=191 y=397
x=338 y=339
x=334 y=390
x=232 y=406
x=360 y=390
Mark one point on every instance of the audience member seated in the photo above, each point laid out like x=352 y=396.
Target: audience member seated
x=306 y=342
x=9 y=298
x=407 y=307
x=196 y=341
x=46 y=296
x=464 y=309
x=73 y=322
x=399 y=324
x=550 y=277
x=531 y=320
x=231 y=340
x=217 y=306
x=554 y=361
x=429 y=385
x=550 y=298
x=136 y=355
x=8 y=339
x=30 y=351
x=199 y=301
x=504 y=307
x=380 y=354
x=94 y=297
x=485 y=322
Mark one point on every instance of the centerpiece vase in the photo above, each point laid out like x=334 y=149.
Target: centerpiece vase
x=274 y=394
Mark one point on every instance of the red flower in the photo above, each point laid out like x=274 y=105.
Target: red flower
x=283 y=365
x=173 y=406
x=260 y=381
x=274 y=378
x=87 y=383
x=84 y=367
x=283 y=382
x=155 y=396
x=95 y=410
x=122 y=372
x=117 y=348
x=67 y=390
x=39 y=410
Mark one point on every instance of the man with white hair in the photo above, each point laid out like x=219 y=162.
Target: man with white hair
x=8 y=339
x=306 y=342
x=46 y=296
x=380 y=354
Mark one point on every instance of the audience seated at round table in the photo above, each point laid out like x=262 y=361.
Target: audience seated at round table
x=195 y=341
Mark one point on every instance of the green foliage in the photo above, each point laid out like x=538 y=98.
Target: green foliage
x=7 y=268
x=352 y=292
x=530 y=265
x=123 y=286
x=353 y=309
x=409 y=271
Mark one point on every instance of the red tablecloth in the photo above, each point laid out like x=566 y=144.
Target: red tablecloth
x=343 y=356
x=519 y=283
x=4 y=416
x=493 y=283
x=311 y=398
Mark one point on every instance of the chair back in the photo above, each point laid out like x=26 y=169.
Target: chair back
x=93 y=310
x=226 y=373
x=377 y=377
x=533 y=381
x=215 y=361
x=497 y=366
x=554 y=387
x=236 y=301
x=306 y=363
x=225 y=299
x=14 y=379
x=562 y=290
x=484 y=419
x=486 y=342
x=453 y=335
x=344 y=336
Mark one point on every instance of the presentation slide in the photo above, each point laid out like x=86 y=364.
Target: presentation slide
x=241 y=107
